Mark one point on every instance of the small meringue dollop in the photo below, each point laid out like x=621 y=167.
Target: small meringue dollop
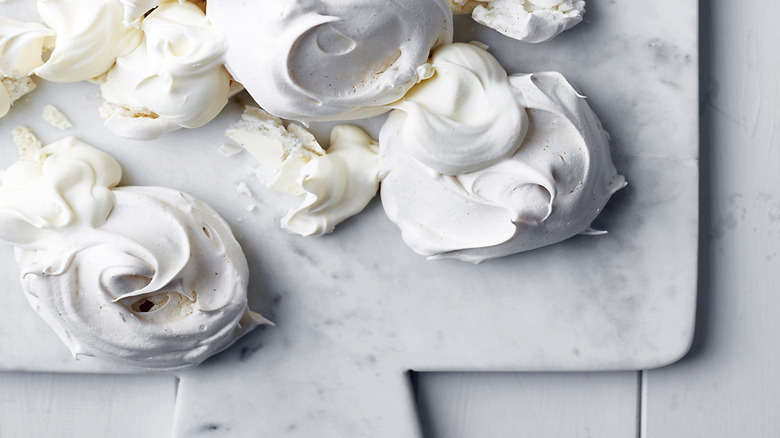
x=551 y=188
x=338 y=184
x=143 y=276
x=329 y=59
x=462 y=118
x=89 y=37
x=175 y=78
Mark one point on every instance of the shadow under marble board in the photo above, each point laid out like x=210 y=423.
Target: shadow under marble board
x=357 y=309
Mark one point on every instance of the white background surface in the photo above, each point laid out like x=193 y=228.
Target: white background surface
x=727 y=386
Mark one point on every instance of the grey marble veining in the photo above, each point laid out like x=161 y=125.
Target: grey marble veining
x=357 y=309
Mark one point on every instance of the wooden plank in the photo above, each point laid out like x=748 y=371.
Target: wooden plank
x=76 y=405
x=730 y=384
x=517 y=405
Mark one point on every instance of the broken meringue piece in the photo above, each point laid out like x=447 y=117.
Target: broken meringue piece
x=532 y=21
x=337 y=183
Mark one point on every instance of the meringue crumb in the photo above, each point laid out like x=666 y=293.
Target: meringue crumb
x=229 y=150
x=18 y=87
x=243 y=189
x=53 y=116
x=29 y=145
x=251 y=208
x=255 y=171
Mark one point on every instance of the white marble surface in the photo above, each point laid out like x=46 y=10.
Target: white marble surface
x=355 y=310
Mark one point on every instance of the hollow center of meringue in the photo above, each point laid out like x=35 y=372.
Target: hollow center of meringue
x=149 y=303
x=336 y=59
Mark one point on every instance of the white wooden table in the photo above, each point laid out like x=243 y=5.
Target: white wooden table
x=729 y=384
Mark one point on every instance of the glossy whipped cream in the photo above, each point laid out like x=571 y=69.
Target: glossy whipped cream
x=175 y=78
x=551 y=188
x=21 y=51
x=136 y=9
x=462 y=118
x=329 y=59
x=532 y=21
x=22 y=46
x=90 y=36
x=338 y=184
x=144 y=276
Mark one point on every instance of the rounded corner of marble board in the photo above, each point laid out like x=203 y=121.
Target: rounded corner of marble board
x=668 y=358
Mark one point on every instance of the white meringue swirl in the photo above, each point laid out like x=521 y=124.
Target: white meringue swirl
x=338 y=185
x=550 y=189
x=174 y=78
x=462 y=118
x=143 y=276
x=329 y=60
x=21 y=47
x=90 y=36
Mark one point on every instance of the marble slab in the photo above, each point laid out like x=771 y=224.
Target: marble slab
x=356 y=310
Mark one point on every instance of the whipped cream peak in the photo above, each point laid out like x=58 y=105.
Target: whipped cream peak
x=89 y=37
x=329 y=60
x=464 y=117
x=338 y=184
x=22 y=46
x=70 y=183
x=136 y=9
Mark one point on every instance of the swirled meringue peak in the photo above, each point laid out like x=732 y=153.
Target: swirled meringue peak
x=532 y=21
x=551 y=188
x=21 y=47
x=143 y=276
x=329 y=59
x=175 y=78
x=462 y=118
x=90 y=36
